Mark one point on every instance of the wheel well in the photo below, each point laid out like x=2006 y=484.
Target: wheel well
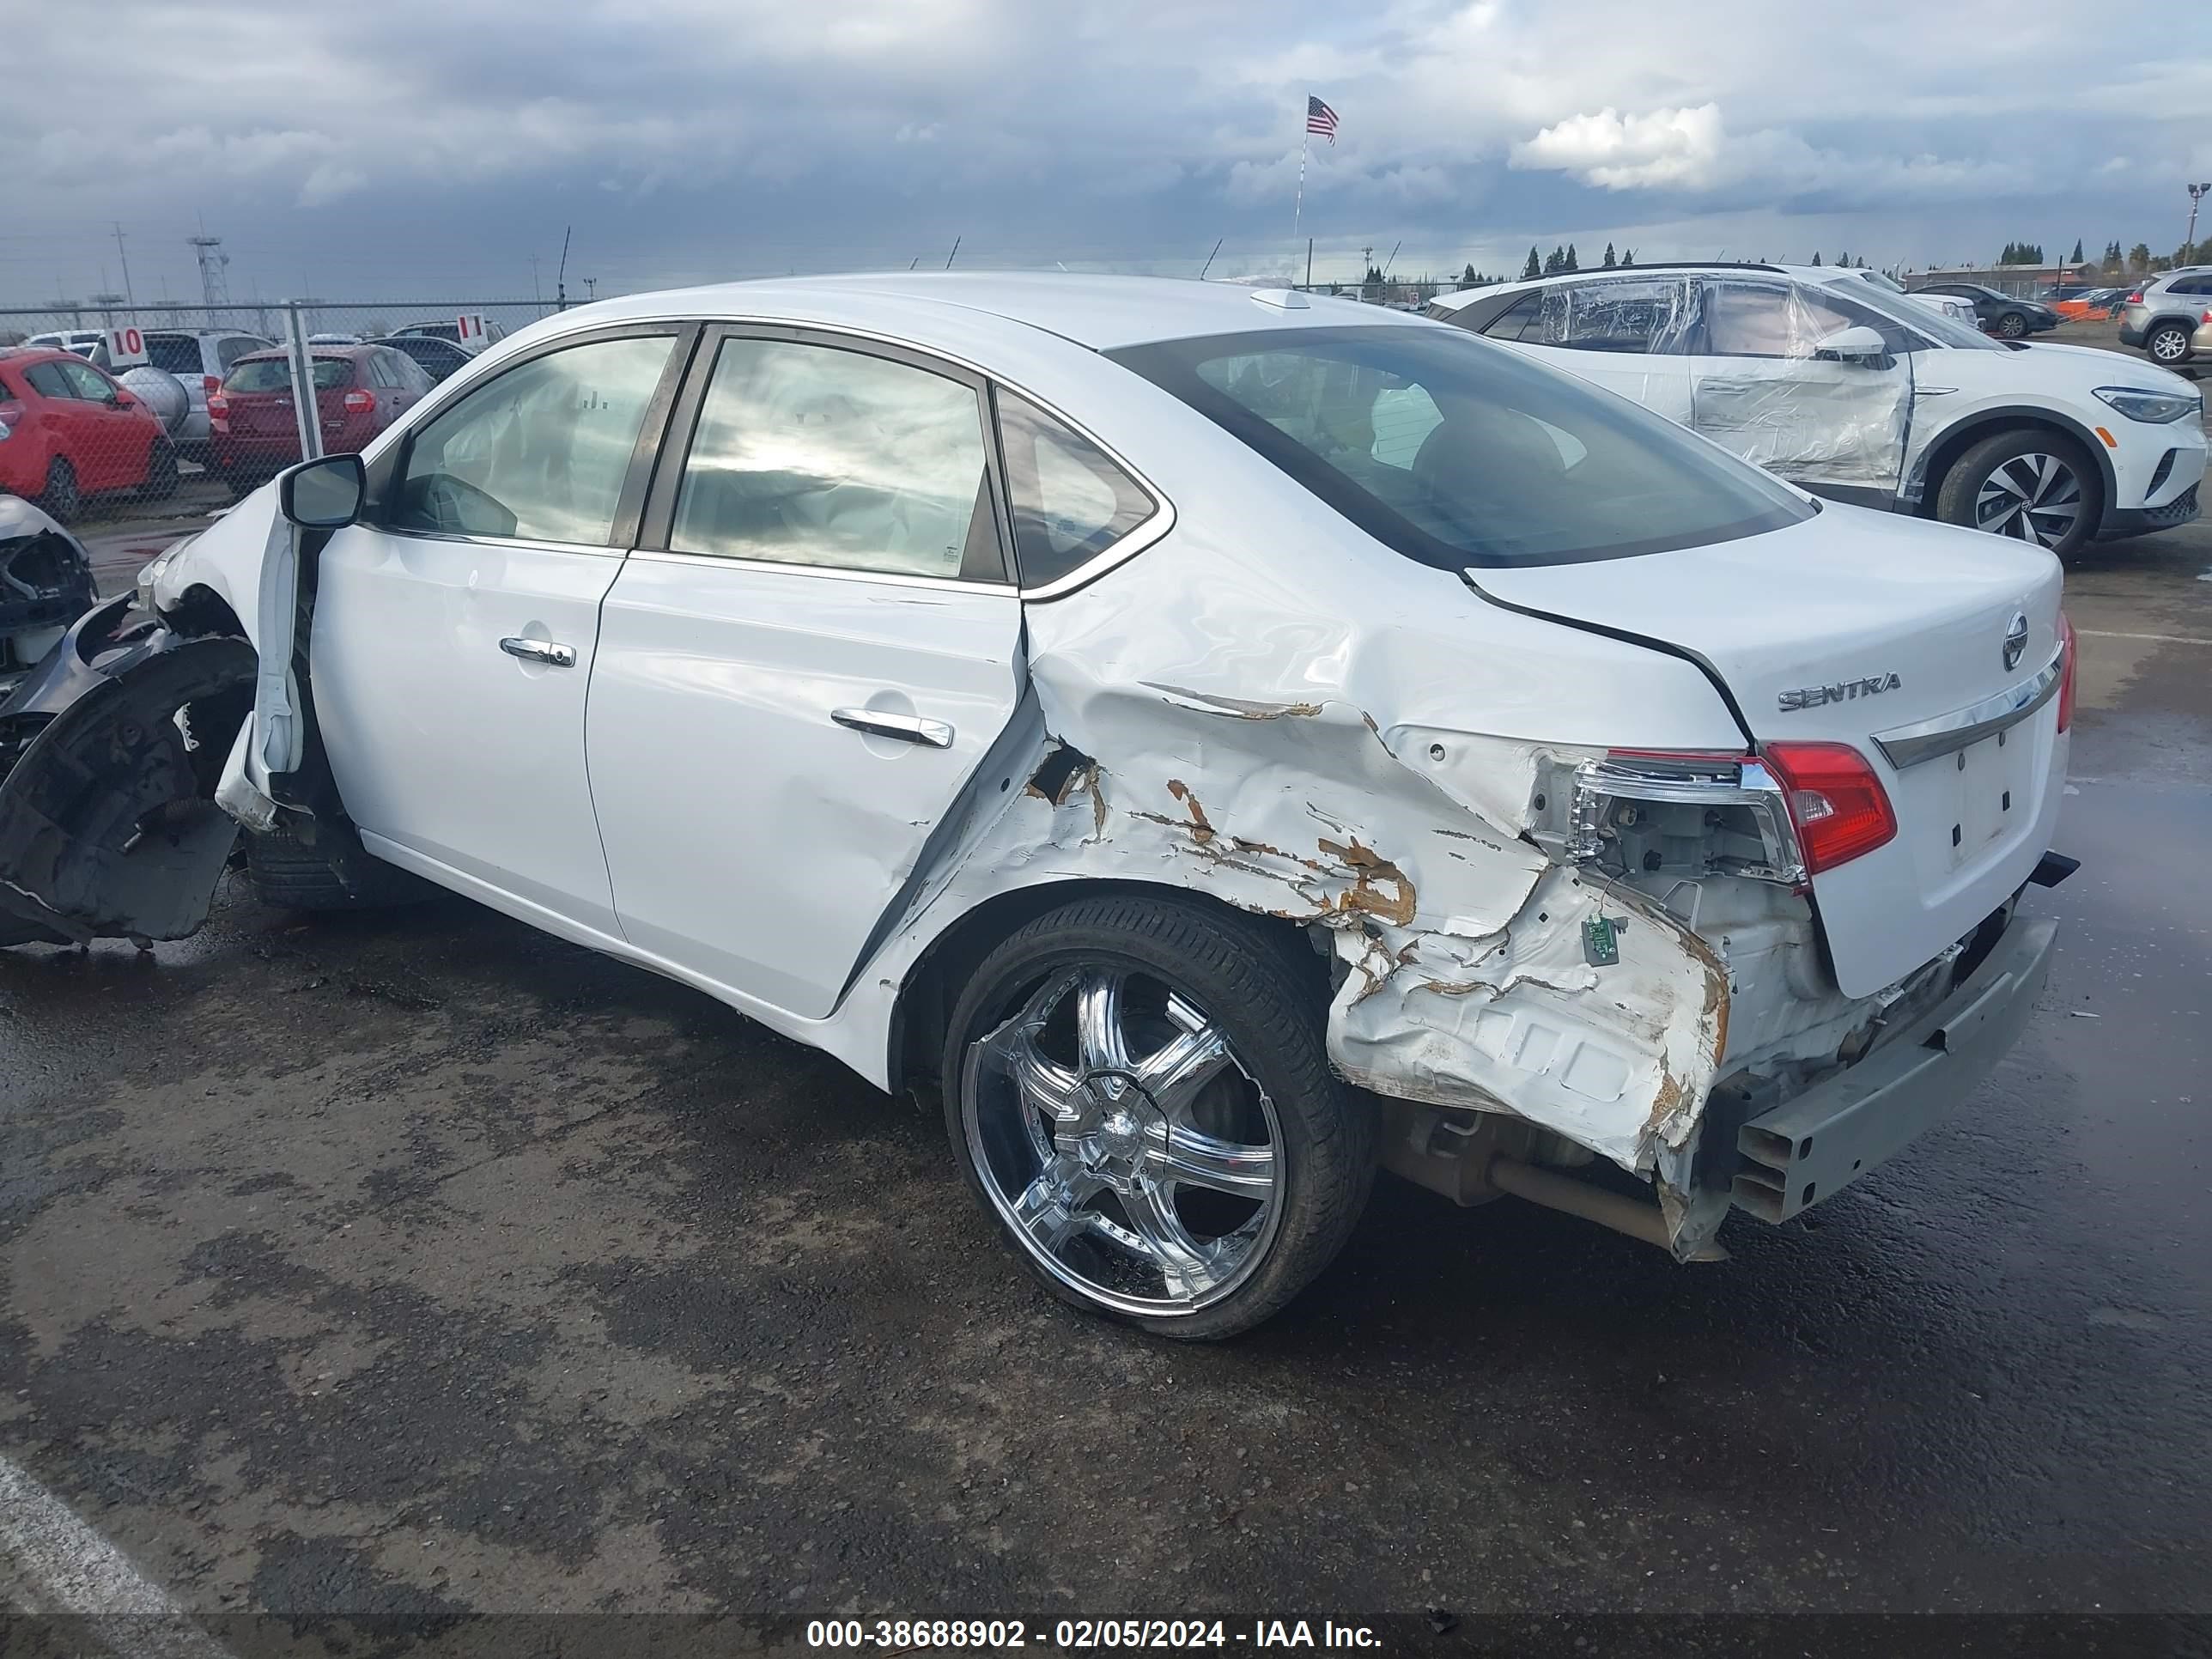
x=1952 y=445
x=201 y=610
x=934 y=983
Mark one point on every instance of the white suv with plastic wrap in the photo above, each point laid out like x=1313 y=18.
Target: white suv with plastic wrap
x=1226 y=742
x=1869 y=396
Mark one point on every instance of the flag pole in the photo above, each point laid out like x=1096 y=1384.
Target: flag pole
x=1298 y=212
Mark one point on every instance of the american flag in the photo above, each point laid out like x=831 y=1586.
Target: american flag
x=1321 y=119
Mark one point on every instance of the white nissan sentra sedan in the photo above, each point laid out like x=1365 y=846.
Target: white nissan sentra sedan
x=1220 y=743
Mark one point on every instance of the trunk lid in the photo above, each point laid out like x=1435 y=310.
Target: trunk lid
x=1854 y=626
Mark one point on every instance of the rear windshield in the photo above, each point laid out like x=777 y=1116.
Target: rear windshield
x=447 y=332
x=177 y=353
x=275 y=374
x=1455 y=452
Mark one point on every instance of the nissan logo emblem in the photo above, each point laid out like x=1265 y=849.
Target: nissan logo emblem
x=2015 y=640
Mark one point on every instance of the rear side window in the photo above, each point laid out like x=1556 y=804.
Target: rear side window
x=814 y=455
x=1070 y=502
x=1522 y=322
x=48 y=380
x=173 y=354
x=1457 y=453
x=1637 y=316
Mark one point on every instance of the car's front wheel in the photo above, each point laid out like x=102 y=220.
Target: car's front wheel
x=1138 y=1090
x=2026 y=484
x=2167 y=344
x=2012 y=324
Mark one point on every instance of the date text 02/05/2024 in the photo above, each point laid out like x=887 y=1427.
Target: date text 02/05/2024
x=902 y=1634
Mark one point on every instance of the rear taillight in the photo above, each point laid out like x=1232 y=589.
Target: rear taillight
x=11 y=416
x=2134 y=299
x=360 y=403
x=218 y=405
x=2069 y=654
x=210 y=384
x=1835 y=799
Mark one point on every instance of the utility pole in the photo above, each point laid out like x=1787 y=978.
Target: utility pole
x=537 y=292
x=2197 y=193
x=591 y=285
x=561 y=277
x=125 y=258
x=955 y=254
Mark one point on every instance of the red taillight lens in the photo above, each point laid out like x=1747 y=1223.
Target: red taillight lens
x=11 y=412
x=1837 y=803
x=218 y=405
x=2135 y=298
x=210 y=384
x=360 y=403
x=2069 y=654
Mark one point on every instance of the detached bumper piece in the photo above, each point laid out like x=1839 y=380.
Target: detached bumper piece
x=1824 y=1139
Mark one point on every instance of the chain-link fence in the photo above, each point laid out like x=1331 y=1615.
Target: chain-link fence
x=104 y=410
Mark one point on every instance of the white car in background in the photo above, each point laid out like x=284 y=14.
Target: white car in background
x=1958 y=310
x=1226 y=741
x=1869 y=396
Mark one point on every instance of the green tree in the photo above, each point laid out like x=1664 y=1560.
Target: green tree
x=1571 y=264
x=1611 y=263
x=1534 y=268
x=2077 y=251
x=1816 y=256
x=1627 y=258
x=1555 y=260
x=2139 y=256
x=1468 y=278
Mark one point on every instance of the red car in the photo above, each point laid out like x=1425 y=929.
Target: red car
x=68 y=431
x=360 y=390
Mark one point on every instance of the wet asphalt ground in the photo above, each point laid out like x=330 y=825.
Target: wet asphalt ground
x=417 y=1264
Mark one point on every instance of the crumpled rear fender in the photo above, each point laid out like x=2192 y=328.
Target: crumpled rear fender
x=108 y=824
x=1465 y=981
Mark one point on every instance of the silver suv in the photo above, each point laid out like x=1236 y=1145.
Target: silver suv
x=2161 y=314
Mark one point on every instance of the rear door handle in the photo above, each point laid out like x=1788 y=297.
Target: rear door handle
x=907 y=728
x=544 y=651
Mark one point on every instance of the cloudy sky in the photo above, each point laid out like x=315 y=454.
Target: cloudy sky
x=409 y=148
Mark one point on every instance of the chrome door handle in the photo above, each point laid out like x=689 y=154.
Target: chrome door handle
x=544 y=651
x=907 y=728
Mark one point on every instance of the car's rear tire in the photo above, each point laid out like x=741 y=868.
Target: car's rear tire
x=1177 y=1152
x=291 y=874
x=2028 y=483
x=2167 y=344
x=161 y=471
x=2012 y=324
x=62 y=499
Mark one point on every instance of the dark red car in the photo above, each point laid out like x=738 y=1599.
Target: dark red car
x=360 y=390
x=68 y=431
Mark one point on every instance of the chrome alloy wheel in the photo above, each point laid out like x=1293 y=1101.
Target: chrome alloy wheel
x=1124 y=1142
x=2032 y=498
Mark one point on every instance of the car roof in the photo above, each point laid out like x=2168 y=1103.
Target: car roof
x=330 y=350
x=1101 y=312
x=1803 y=273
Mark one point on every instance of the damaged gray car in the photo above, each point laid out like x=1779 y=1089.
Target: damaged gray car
x=1222 y=743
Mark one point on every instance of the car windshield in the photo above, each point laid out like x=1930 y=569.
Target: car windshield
x=1939 y=326
x=1455 y=452
x=275 y=374
x=1883 y=281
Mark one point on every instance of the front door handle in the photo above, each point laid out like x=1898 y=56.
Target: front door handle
x=907 y=728
x=544 y=651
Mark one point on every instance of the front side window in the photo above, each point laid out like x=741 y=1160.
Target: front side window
x=88 y=383
x=542 y=453
x=1770 y=319
x=1457 y=453
x=815 y=455
x=1070 y=502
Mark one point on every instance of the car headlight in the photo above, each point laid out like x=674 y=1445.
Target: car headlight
x=2157 y=407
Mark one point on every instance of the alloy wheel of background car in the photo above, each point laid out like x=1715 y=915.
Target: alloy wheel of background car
x=1140 y=1096
x=2168 y=344
x=2012 y=325
x=2030 y=485
x=62 y=499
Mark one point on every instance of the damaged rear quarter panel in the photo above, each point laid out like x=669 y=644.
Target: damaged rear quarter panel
x=1329 y=734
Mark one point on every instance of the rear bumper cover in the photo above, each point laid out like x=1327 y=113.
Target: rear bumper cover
x=1820 y=1142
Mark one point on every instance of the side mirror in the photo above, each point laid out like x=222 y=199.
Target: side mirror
x=323 y=494
x=1855 y=344
x=126 y=400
